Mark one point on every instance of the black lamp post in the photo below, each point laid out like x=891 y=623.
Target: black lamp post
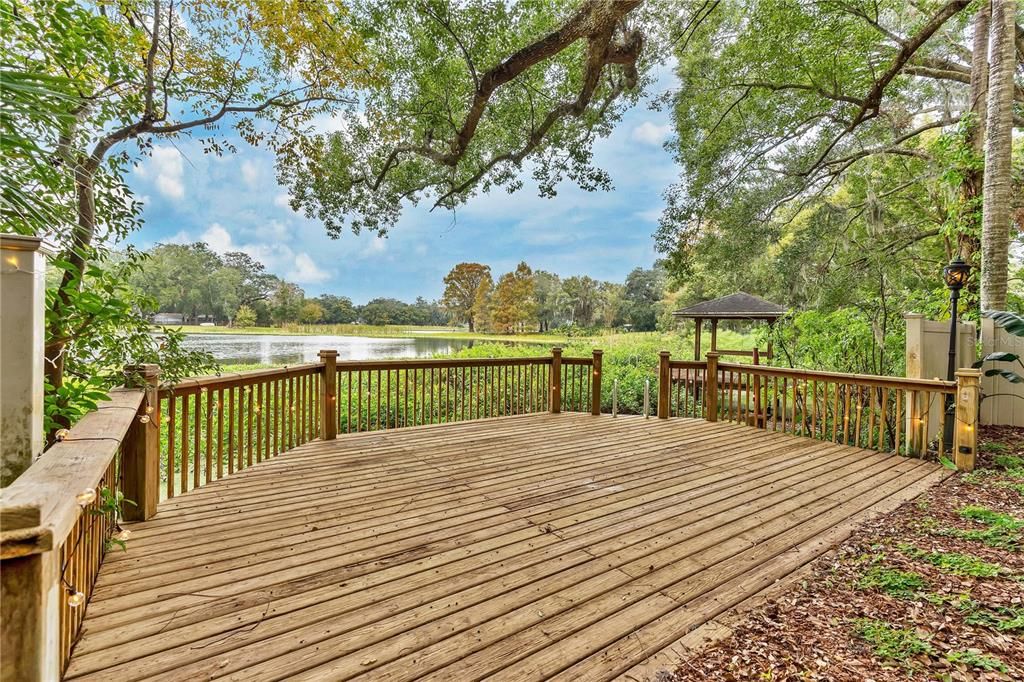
x=955 y=274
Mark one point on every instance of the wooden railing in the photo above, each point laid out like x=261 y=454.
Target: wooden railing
x=888 y=414
x=57 y=521
x=213 y=426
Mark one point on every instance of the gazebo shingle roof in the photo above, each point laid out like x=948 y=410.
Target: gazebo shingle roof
x=740 y=305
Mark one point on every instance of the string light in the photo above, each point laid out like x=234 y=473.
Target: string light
x=85 y=497
x=123 y=535
x=76 y=599
x=62 y=435
x=149 y=409
x=144 y=419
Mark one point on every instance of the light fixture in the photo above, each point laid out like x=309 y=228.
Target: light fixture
x=955 y=276
x=956 y=273
x=85 y=497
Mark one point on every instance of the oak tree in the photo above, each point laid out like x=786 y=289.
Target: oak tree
x=460 y=291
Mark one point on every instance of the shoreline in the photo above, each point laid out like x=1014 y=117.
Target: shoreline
x=372 y=331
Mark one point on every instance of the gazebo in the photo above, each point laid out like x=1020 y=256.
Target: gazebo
x=738 y=306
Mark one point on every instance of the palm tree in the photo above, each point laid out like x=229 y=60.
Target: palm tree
x=995 y=229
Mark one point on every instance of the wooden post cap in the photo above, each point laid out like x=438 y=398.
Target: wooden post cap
x=324 y=354
x=145 y=371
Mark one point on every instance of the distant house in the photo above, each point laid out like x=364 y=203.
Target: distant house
x=168 y=318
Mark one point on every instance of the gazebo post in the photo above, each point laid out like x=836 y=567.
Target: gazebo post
x=697 y=323
x=714 y=334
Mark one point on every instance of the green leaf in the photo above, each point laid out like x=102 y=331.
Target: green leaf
x=1012 y=377
x=1001 y=356
x=1011 y=322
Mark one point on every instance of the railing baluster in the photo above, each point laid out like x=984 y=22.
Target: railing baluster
x=183 y=481
x=209 y=437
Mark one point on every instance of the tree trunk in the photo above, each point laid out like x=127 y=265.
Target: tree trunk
x=472 y=327
x=995 y=235
x=969 y=233
x=71 y=281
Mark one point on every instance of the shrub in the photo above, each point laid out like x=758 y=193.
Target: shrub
x=245 y=317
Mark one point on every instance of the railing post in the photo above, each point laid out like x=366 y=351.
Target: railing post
x=756 y=357
x=595 y=387
x=917 y=412
x=140 y=451
x=965 y=435
x=711 y=388
x=328 y=395
x=30 y=591
x=556 y=380
x=664 y=383
x=23 y=301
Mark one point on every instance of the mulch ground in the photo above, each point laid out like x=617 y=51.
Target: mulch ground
x=930 y=591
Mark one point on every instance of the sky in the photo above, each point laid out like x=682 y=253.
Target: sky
x=234 y=204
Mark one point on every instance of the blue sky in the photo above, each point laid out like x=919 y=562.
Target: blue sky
x=234 y=203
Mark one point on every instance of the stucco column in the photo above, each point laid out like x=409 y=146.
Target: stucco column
x=22 y=300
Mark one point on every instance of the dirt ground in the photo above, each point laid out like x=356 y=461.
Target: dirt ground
x=932 y=591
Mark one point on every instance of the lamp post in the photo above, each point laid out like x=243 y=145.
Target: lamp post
x=955 y=275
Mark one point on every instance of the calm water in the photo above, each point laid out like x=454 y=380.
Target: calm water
x=273 y=349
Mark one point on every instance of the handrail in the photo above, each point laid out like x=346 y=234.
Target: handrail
x=56 y=520
x=889 y=414
x=863 y=379
x=226 y=379
x=436 y=363
x=44 y=496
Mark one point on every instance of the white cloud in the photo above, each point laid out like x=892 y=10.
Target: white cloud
x=278 y=257
x=169 y=172
x=281 y=200
x=375 y=247
x=250 y=173
x=651 y=215
x=649 y=133
x=180 y=237
x=306 y=271
x=218 y=238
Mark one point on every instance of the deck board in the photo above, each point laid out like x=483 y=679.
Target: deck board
x=529 y=547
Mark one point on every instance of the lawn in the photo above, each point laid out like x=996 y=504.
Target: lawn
x=930 y=591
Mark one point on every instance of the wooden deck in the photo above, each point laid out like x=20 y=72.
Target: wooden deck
x=547 y=546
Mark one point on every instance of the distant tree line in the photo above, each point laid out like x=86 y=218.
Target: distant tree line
x=537 y=300
x=235 y=288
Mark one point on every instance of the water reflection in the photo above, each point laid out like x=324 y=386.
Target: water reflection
x=274 y=349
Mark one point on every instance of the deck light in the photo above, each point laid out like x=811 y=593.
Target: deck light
x=955 y=276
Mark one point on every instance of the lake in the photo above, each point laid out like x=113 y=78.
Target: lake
x=283 y=349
